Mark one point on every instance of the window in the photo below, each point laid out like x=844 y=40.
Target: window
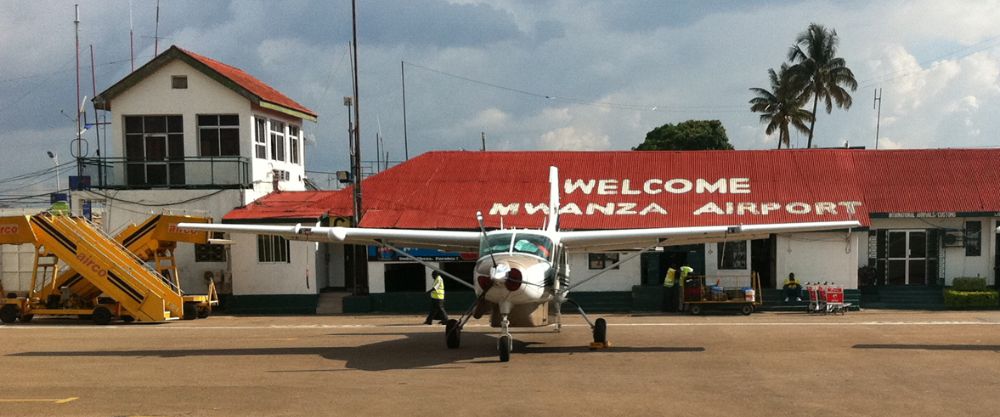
x=272 y=249
x=260 y=138
x=179 y=82
x=277 y=140
x=154 y=150
x=973 y=238
x=219 y=135
x=732 y=255
x=601 y=260
x=293 y=144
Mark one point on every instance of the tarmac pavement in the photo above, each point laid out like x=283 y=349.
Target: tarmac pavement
x=884 y=363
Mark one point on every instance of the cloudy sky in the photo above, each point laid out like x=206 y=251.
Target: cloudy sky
x=561 y=74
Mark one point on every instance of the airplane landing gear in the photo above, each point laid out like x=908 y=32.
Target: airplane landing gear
x=505 y=344
x=453 y=334
x=601 y=331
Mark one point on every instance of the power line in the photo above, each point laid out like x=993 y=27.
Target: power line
x=603 y=104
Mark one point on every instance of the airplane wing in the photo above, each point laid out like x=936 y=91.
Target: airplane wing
x=598 y=240
x=439 y=239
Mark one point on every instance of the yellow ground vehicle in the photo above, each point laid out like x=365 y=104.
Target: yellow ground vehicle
x=131 y=277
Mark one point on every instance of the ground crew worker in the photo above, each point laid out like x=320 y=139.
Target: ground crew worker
x=437 y=301
x=668 y=280
x=685 y=270
x=791 y=288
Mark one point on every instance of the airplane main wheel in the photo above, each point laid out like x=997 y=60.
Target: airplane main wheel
x=503 y=345
x=600 y=331
x=102 y=316
x=453 y=334
x=9 y=313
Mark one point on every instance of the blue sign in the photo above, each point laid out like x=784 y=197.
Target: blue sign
x=378 y=253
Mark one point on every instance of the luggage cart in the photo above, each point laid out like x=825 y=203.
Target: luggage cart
x=697 y=296
x=826 y=299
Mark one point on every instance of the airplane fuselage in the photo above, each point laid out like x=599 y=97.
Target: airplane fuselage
x=516 y=274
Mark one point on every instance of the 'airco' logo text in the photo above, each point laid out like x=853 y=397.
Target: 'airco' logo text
x=90 y=263
x=174 y=229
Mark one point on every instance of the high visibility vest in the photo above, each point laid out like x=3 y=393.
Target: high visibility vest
x=685 y=270
x=438 y=292
x=668 y=281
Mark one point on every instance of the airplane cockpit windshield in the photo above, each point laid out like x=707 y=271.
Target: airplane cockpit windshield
x=529 y=243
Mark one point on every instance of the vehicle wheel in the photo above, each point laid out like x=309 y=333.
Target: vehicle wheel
x=128 y=319
x=9 y=313
x=503 y=345
x=600 y=331
x=452 y=334
x=26 y=318
x=695 y=310
x=203 y=312
x=102 y=316
x=190 y=311
x=746 y=309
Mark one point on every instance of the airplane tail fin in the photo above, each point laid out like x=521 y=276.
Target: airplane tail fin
x=553 y=222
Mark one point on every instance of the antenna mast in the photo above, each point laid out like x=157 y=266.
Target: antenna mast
x=877 y=104
x=156 y=31
x=131 y=38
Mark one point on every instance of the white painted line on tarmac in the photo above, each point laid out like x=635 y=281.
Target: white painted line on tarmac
x=421 y=327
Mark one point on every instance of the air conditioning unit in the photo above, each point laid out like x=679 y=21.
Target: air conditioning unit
x=953 y=238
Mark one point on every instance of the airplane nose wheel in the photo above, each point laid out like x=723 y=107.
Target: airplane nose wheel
x=601 y=331
x=453 y=334
x=505 y=344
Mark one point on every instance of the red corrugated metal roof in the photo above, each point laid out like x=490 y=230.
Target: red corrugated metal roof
x=443 y=190
x=250 y=83
x=297 y=205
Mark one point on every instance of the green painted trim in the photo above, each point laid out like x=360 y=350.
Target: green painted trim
x=270 y=304
x=286 y=110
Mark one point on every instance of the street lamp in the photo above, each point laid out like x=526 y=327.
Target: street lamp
x=55 y=159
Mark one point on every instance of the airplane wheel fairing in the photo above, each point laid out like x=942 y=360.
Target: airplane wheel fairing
x=9 y=313
x=503 y=345
x=453 y=334
x=600 y=331
x=695 y=309
x=746 y=309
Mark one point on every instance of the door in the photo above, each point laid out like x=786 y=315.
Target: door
x=907 y=257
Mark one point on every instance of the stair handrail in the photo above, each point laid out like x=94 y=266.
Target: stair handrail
x=128 y=254
x=135 y=257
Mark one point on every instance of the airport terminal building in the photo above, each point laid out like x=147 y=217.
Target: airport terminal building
x=927 y=216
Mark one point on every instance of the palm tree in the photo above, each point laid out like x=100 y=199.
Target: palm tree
x=825 y=74
x=782 y=105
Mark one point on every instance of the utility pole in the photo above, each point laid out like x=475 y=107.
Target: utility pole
x=877 y=104
x=406 y=146
x=360 y=252
x=78 y=105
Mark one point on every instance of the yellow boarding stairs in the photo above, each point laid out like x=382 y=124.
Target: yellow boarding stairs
x=153 y=240
x=99 y=265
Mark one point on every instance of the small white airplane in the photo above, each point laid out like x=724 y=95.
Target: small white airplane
x=522 y=276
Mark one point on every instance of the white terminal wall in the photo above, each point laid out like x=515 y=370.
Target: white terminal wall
x=252 y=277
x=819 y=257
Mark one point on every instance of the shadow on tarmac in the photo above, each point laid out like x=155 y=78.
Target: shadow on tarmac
x=414 y=351
x=988 y=348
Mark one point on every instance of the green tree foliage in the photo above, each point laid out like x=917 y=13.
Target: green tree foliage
x=692 y=135
x=781 y=106
x=824 y=73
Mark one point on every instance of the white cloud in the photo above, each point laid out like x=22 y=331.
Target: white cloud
x=570 y=139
